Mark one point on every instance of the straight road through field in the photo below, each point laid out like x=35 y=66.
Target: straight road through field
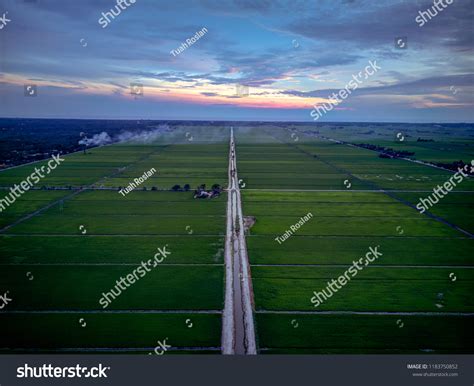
x=238 y=335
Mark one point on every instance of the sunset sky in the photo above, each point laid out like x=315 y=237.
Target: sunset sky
x=291 y=55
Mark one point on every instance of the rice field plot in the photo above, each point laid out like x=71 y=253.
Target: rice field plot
x=49 y=224
x=79 y=169
x=25 y=204
x=456 y=207
x=374 y=289
x=119 y=332
x=407 y=181
x=365 y=334
x=61 y=264
x=340 y=219
x=449 y=136
x=343 y=250
x=71 y=249
x=382 y=173
x=283 y=167
x=422 y=280
x=179 y=164
x=77 y=287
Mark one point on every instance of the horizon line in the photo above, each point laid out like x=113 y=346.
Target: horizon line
x=240 y=120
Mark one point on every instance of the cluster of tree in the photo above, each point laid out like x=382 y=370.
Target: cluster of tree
x=386 y=152
x=47 y=187
x=178 y=188
x=424 y=140
x=455 y=166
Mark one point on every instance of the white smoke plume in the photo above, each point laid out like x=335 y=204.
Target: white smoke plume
x=144 y=136
x=96 y=140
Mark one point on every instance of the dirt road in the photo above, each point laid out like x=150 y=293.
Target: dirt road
x=238 y=333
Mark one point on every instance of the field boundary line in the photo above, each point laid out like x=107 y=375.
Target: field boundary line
x=272 y=235
x=371 y=266
x=82 y=311
x=108 y=349
x=114 y=264
x=107 y=235
x=395 y=313
x=354 y=190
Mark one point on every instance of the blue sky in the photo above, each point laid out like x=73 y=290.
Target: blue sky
x=291 y=55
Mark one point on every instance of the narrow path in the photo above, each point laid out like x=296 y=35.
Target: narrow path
x=353 y=190
x=101 y=311
x=405 y=313
x=79 y=350
x=228 y=313
x=112 y=264
x=239 y=332
x=371 y=266
x=238 y=335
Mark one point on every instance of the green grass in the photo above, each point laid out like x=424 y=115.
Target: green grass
x=362 y=334
x=454 y=207
x=353 y=226
x=347 y=196
x=147 y=213
x=343 y=250
x=108 y=249
x=81 y=287
x=345 y=224
x=365 y=293
x=31 y=201
x=318 y=209
x=54 y=224
x=137 y=330
x=70 y=270
x=215 y=207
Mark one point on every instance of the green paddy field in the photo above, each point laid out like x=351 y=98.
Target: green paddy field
x=62 y=246
x=406 y=301
x=57 y=263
